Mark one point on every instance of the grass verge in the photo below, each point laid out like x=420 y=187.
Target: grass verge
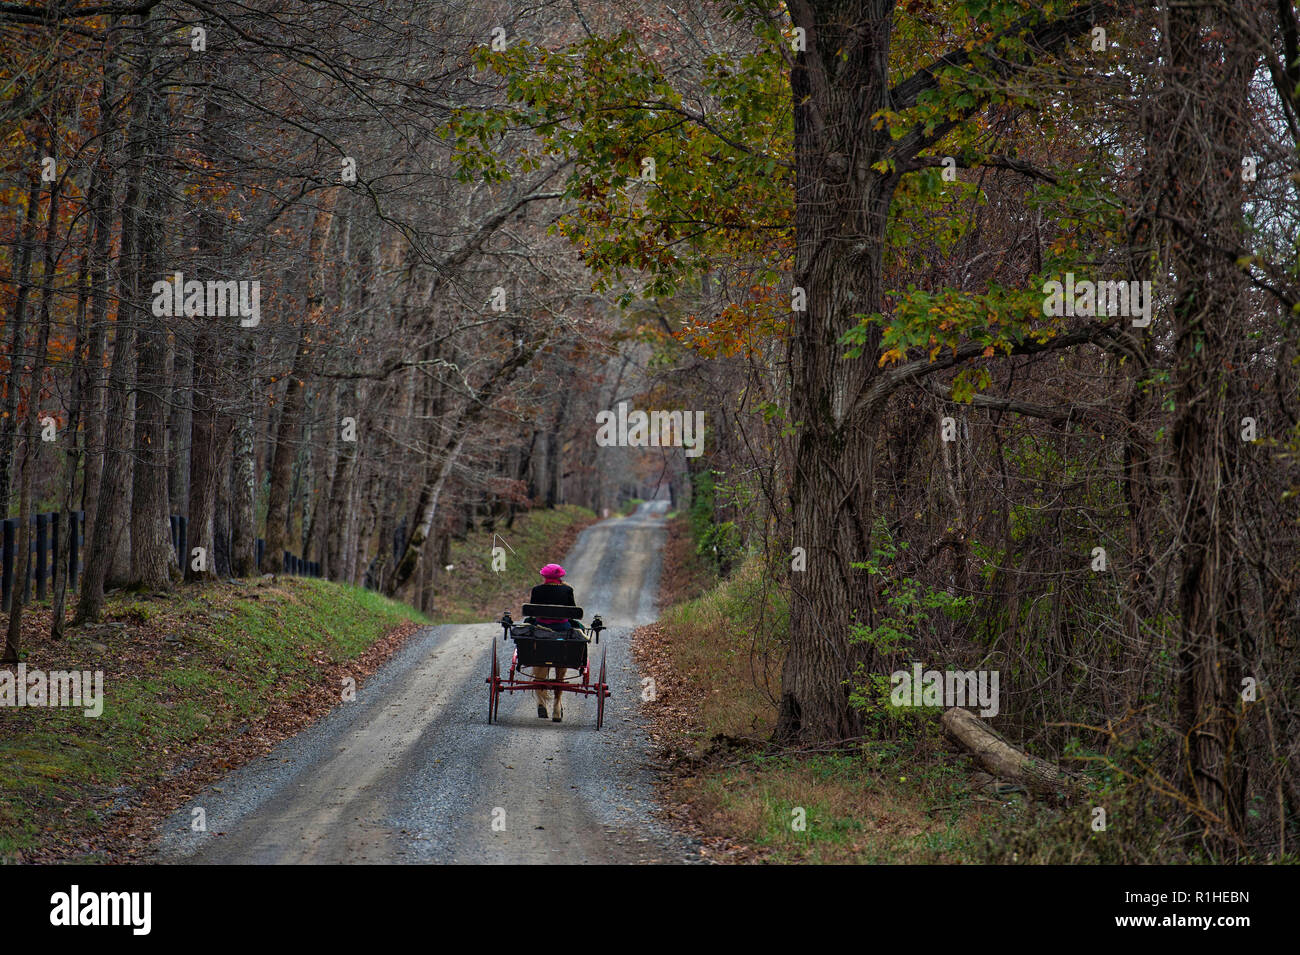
x=203 y=679
x=715 y=659
x=195 y=683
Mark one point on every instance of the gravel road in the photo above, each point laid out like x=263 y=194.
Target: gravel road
x=412 y=772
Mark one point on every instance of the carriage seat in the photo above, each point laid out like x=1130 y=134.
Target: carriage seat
x=535 y=614
x=532 y=629
x=552 y=612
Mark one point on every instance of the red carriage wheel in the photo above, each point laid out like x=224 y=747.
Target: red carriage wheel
x=601 y=692
x=494 y=692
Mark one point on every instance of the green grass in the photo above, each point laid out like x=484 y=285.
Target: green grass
x=471 y=588
x=720 y=642
x=245 y=650
x=852 y=809
x=887 y=801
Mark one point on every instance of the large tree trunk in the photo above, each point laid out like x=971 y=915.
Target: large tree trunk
x=180 y=420
x=112 y=504
x=317 y=513
x=358 y=524
x=243 y=505
x=205 y=468
x=1210 y=69
x=151 y=547
x=152 y=556
x=222 y=534
x=13 y=381
x=207 y=444
x=336 y=542
x=286 y=450
x=839 y=84
x=100 y=203
x=31 y=442
x=74 y=452
x=841 y=205
x=295 y=395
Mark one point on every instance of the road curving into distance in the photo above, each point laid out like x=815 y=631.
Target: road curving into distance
x=412 y=772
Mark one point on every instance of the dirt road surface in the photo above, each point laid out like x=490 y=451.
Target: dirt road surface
x=411 y=771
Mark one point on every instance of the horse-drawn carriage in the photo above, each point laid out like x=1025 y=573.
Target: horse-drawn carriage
x=538 y=645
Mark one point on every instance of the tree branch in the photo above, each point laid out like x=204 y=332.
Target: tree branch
x=1044 y=36
x=1105 y=336
x=995 y=162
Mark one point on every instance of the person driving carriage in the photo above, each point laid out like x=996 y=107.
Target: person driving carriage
x=558 y=594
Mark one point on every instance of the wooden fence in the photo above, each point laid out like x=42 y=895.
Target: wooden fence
x=47 y=541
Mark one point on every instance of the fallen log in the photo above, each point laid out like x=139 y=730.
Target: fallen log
x=1004 y=760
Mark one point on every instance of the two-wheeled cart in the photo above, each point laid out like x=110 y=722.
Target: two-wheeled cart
x=538 y=645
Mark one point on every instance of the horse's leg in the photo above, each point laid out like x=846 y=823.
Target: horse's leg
x=540 y=673
x=557 y=712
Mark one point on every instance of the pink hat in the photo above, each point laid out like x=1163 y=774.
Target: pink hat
x=552 y=572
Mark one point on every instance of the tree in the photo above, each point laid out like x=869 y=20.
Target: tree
x=1209 y=72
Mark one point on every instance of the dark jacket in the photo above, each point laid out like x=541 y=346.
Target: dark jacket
x=557 y=595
